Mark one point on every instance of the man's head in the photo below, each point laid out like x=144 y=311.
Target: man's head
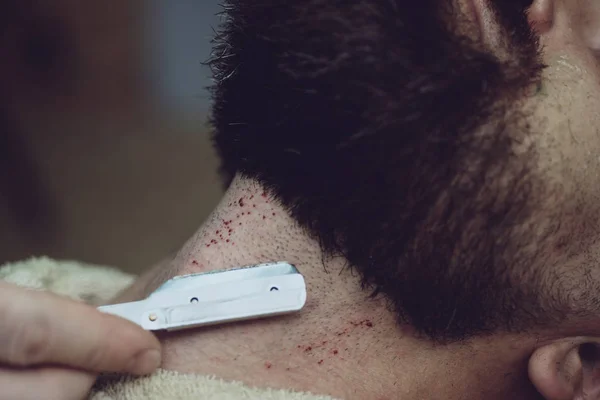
x=447 y=150
x=407 y=146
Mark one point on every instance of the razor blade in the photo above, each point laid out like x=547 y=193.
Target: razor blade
x=210 y=298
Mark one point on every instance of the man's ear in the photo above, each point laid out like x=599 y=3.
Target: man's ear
x=541 y=15
x=568 y=369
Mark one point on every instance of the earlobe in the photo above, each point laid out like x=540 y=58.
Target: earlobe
x=553 y=372
x=541 y=15
x=567 y=369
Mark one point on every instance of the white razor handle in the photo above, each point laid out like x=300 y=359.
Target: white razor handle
x=210 y=298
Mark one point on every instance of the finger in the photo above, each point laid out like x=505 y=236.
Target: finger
x=44 y=383
x=41 y=328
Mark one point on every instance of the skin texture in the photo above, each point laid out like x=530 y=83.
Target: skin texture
x=459 y=185
x=343 y=343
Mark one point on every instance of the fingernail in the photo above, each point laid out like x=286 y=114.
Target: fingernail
x=145 y=363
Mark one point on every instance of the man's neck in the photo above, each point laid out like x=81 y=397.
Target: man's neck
x=343 y=343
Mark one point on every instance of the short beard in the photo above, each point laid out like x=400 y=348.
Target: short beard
x=391 y=139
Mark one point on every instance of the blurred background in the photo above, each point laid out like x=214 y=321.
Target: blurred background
x=104 y=149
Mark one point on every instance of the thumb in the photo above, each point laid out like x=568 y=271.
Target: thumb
x=43 y=328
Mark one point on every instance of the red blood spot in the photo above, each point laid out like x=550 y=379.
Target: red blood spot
x=309 y=348
x=268 y=365
x=208 y=245
x=249 y=213
x=213 y=241
x=243 y=213
x=241 y=202
x=195 y=262
x=226 y=222
x=217 y=232
x=227 y=240
x=264 y=194
x=365 y=322
x=253 y=205
x=251 y=197
x=335 y=351
x=231 y=230
x=299 y=346
x=320 y=362
x=264 y=217
x=273 y=214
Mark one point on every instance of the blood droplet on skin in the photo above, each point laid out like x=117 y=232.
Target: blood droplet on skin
x=227 y=240
x=241 y=202
x=273 y=214
x=320 y=362
x=335 y=352
x=309 y=348
x=365 y=322
x=268 y=365
x=195 y=262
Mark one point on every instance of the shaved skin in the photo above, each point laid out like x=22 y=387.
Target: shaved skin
x=342 y=343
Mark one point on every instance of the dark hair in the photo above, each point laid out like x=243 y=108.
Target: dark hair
x=360 y=118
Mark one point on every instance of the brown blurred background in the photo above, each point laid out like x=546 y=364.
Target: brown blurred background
x=104 y=151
